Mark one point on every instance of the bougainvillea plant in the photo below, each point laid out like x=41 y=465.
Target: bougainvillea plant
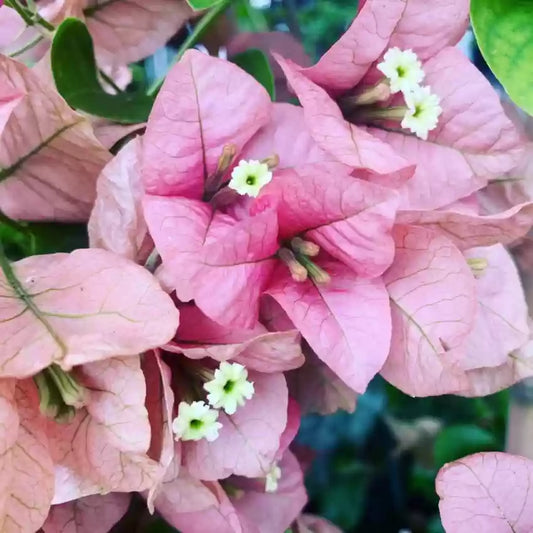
x=249 y=261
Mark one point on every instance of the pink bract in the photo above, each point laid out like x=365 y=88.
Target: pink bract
x=489 y=492
x=44 y=143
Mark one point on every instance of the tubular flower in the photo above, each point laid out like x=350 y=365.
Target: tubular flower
x=230 y=387
x=403 y=70
x=196 y=421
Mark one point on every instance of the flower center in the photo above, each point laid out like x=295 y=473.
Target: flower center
x=250 y=180
x=229 y=386
x=401 y=71
x=418 y=111
x=195 y=423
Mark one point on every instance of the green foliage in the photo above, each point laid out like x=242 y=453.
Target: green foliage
x=77 y=78
x=198 y=5
x=458 y=441
x=255 y=62
x=31 y=238
x=504 y=31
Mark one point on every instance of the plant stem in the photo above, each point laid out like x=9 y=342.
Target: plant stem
x=27 y=47
x=192 y=39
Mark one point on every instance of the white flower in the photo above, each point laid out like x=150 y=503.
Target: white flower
x=249 y=177
x=423 y=112
x=272 y=478
x=196 y=421
x=403 y=70
x=229 y=388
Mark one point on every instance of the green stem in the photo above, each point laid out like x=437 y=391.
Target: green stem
x=25 y=15
x=27 y=47
x=110 y=82
x=192 y=39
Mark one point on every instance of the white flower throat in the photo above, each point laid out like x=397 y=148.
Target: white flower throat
x=404 y=73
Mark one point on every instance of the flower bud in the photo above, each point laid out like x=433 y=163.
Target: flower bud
x=317 y=274
x=297 y=270
x=305 y=247
x=272 y=161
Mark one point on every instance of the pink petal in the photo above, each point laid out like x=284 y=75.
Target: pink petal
x=433 y=304
x=489 y=492
x=351 y=145
x=93 y=514
x=426 y=29
x=42 y=146
x=467 y=230
x=287 y=136
x=205 y=104
x=315 y=524
x=349 y=59
x=80 y=307
x=319 y=390
x=350 y=218
x=220 y=516
x=248 y=440
x=273 y=512
x=213 y=254
x=117 y=221
x=105 y=447
x=12 y=26
x=474 y=141
x=159 y=404
x=501 y=324
x=9 y=428
x=255 y=348
x=346 y=322
x=30 y=471
x=184 y=494
x=125 y=31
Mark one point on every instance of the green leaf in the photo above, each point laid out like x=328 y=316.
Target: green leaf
x=457 y=441
x=76 y=77
x=255 y=62
x=198 y=5
x=504 y=31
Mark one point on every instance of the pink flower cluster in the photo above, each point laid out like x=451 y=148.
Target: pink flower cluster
x=296 y=252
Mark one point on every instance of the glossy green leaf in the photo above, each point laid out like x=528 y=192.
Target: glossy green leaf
x=458 y=441
x=199 y=5
x=255 y=62
x=504 y=31
x=76 y=77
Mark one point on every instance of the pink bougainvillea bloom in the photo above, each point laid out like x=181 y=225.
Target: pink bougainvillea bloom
x=456 y=315
x=92 y=514
x=489 y=492
x=75 y=308
x=117 y=221
x=473 y=142
x=49 y=157
x=229 y=247
x=123 y=31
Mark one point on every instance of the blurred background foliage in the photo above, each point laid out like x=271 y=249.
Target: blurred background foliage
x=371 y=471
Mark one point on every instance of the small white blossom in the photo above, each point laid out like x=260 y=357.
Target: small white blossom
x=423 y=112
x=196 y=421
x=249 y=177
x=403 y=70
x=272 y=478
x=230 y=387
